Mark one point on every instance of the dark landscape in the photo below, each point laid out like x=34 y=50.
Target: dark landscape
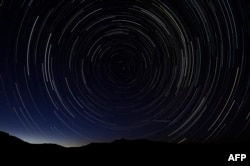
x=127 y=150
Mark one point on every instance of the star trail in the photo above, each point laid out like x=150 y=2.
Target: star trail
x=75 y=72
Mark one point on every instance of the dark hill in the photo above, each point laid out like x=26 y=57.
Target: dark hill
x=124 y=151
x=7 y=140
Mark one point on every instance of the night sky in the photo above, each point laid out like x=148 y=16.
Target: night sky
x=76 y=72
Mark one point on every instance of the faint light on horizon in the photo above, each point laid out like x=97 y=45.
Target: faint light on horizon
x=42 y=140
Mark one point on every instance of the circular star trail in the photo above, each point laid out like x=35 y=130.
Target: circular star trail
x=86 y=71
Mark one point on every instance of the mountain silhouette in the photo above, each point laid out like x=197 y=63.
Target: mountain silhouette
x=7 y=140
x=125 y=150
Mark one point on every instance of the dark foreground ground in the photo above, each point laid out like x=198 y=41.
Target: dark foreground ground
x=122 y=152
